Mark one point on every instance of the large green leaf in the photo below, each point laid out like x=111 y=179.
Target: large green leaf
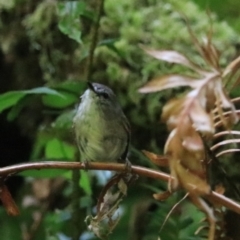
x=8 y=224
x=226 y=10
x=72 y=86
x=11 y=98
x=60 y=102
x=64 y=120
x=70 y=90
x=17 y=108
x=57 y=149
x=42 y=90
x=85 y=182
x=69 y=14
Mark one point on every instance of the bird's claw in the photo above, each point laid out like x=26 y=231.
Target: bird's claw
x=128 y=167
x=85 y=165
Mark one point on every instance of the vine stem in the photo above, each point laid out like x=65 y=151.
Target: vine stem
x=77 y=191
x=141 y=171
x=94 y=39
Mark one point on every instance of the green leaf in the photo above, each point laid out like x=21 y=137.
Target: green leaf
x=40 y=142
x=9 y=99
x=49 y=173
x=65 y=120
x=72 y=86
x=72 y=8
x=56 y=149
x=56 y=101
x=85 y=182
x=69 y=23
x=11 y=226
x=71 y=29
x=16 y=109
x=43 y=90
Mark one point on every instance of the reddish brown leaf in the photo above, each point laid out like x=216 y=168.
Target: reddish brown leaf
x=233 y=150
x=232 y=66
x=107 y=216
x=174 y=150
x=223 y=102
x=161 y=161
x=182 y=148
x=162 y=196
x=202 y=121
x=225 y=142
x=169 y=56
x=220 y=189
x=235 y=83
x=202 y=205
x=210 y=54
x=114 y=180
x=224 y=133
x=169 y=81
x=191 y=182
x=191 y=140
x=193 y=37
x=226 y=119
x=222 y=96
x=7 y=201
x=173 y=146
x=215 y=56
x=171 y=112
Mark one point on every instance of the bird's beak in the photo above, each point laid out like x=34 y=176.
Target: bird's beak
x=90 y=86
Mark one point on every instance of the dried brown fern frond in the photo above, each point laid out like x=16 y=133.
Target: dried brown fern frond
x=233 y=138
x=195 y=116
x=219 y=214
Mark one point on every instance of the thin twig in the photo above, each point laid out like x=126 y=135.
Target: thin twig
x=10 y=170
x=77 y=191
x=94 y=39
x=171 y=211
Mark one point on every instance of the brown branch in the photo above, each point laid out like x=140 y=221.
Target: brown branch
x=213 y=196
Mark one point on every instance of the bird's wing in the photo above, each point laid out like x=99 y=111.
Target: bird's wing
x=126 y=125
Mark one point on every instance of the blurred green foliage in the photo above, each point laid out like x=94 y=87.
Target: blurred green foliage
x=47 y=43
x=226 y=11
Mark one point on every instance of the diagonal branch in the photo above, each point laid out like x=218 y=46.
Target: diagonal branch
x=142 y=171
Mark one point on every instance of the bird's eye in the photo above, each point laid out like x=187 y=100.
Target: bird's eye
x=105 y=95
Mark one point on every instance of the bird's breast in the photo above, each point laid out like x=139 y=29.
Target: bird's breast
x=101 y=139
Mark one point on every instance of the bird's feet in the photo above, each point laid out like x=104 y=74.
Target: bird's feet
x=85 y=164
x=128 y=175
x=128 y=167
